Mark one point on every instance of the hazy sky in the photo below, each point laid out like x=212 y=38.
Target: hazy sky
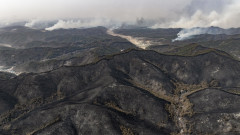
x=122 y=9
x=164 y=13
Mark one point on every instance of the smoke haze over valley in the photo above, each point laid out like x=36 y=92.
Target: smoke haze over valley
x=110 y=13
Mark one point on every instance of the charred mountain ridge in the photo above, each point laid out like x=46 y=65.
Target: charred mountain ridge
x=134 y=92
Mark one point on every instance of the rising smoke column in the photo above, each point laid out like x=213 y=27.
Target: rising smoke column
x=221 y=13
x=185 y=34
x=84 y=23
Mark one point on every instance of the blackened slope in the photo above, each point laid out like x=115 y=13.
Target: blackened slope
x=7 y=102
x=6 y=76
x=205 y=67
x=194 y=49
x=227 y=43
x=119 y=93
x=88 y=90
x=27 y=37
x=215 y=100
x=215 y=109
x=39 y=51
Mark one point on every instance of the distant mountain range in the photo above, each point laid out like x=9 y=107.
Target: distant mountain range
x=214 y=37
x=37 y=50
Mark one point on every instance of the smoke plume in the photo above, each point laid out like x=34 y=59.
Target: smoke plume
x=189 y=33
x=149 y=13
x=82 y=23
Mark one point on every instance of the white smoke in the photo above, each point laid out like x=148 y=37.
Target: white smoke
x=82 y=23
x=189 y=33
x=5 y=45
x=225 y=18
x=198 y=19
x=228 y=17
x=31 y=23
x=152 y=13
x=40 y=23
x=9 y=70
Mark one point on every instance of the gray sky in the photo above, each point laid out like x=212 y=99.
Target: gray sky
x=164 y=13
